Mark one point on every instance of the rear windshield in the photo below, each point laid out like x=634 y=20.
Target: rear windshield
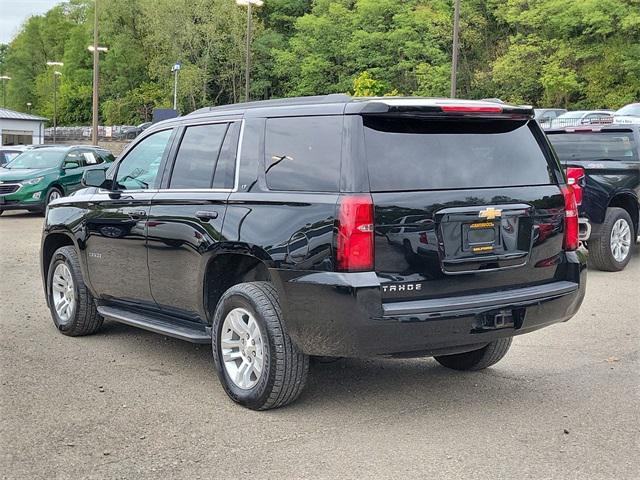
x=595 y=146
x=419 y=154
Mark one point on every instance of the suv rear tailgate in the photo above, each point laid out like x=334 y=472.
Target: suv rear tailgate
x=462 y=206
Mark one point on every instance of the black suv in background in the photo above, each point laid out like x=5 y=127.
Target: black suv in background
x=603 y=167
x=328 y=226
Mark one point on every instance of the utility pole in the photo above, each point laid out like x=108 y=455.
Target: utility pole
x=456 y=47
x=247 y=73
x=4 y=78
x=96 y=58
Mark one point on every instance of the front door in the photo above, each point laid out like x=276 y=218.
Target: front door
x=72 y=169
x=117 y=224
x=186 y=216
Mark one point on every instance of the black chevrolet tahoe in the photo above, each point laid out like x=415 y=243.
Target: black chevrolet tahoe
x=602 y=164
x=323 y=226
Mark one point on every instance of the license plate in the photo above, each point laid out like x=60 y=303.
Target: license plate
x=480 y=237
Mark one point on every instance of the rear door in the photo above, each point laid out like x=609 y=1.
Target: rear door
x=187 y=214
x=462 y=205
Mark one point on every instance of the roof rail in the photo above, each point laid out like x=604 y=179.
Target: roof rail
x=279 y=102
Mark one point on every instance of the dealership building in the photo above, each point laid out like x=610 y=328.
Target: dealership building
x=17 y=128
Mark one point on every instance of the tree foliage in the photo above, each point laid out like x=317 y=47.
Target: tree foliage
x=553 y=53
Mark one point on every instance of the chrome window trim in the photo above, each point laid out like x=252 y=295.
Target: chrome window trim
x=238 y=155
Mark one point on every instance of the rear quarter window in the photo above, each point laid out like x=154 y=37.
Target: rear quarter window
x=303 y=153
x=430 y=154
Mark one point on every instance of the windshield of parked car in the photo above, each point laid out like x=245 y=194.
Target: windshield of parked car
x=633 y=109
x=595 y=146
x=36 y=159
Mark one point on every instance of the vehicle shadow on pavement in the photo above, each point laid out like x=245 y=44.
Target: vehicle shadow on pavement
x=370 y=382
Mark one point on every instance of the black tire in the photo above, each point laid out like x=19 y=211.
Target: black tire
x=85 y=319
x=477 y=359
x=600 y=253
x=285 y=368
x=1 y=212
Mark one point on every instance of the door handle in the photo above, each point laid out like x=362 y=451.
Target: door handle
x=137 y=215
x=206 y=215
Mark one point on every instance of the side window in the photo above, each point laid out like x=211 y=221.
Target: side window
x=303 y=153
x=139 y=169
x=197 y=156
x=91 y=158
x=224 y=175
x=74 y=159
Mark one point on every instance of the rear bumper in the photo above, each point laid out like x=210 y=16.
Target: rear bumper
x=342 y=314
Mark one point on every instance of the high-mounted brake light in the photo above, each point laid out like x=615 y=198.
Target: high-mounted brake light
x=471 y=109
x=571 y=238
x=354 y=245
x=575 y=179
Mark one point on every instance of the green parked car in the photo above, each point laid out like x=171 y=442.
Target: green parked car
x=36 y=177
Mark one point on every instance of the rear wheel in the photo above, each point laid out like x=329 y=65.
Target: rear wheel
x=477 y=359
x=258 y=364
x=612 y=250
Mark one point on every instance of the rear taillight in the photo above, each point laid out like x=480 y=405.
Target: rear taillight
x=570 y=219
x=423 y=237
x=354 y=245
x=575 y=178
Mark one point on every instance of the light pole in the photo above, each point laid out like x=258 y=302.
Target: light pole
x=56 y=74
x=96 y=79
x=4 y=78
x=175 y=69
x=29 y=107
x=456 y=47
x=248 y=4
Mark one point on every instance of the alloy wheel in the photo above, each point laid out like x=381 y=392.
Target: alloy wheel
x=63 y=293
x=620 y=240
x=54 y=194
x=242 y=348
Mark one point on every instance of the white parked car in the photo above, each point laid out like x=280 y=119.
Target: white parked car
x=628 y=114
x=582 y=117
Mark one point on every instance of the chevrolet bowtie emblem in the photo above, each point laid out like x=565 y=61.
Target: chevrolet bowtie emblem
x=490 y=213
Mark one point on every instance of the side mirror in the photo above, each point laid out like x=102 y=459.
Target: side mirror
x=70 y=165
x=95 y=178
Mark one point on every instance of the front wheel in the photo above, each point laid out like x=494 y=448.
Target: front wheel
x=477 y=359
x=258 y=364
x=72 y=306
x=612 y=250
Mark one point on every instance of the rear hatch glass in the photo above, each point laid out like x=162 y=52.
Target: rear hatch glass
x=413 y=154
x=595 y=146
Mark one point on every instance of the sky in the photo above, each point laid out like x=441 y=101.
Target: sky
x=13 y=13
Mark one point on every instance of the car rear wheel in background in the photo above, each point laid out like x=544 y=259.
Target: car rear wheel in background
x=612 y=250
x=258 y=364
x=477 y=359
x=72 y=306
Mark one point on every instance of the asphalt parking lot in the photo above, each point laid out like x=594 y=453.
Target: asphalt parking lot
x=124 y=403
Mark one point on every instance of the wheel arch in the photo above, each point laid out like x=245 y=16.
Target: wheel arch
x=227 y=269
x=629 y=202
x=52 y=242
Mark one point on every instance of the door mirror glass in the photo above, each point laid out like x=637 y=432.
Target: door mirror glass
x=94 y=178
